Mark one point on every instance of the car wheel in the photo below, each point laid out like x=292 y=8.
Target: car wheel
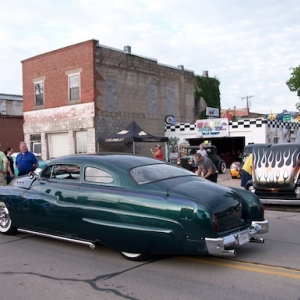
x=135 y=256
x=6 y=226
x=222 y=167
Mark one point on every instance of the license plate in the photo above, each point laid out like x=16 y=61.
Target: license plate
x=243 y=237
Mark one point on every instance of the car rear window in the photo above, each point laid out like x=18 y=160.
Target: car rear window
x=152 y=173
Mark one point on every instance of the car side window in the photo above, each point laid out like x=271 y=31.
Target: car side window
x=46 y=173
x=62 y=171
x=93 y=174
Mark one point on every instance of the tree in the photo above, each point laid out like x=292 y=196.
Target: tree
x=294 y=82
x=234 y=118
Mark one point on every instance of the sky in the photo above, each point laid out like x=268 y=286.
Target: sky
x=250 y=46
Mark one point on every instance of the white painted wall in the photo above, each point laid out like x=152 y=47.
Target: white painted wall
x=253 y=130
x=58 y=127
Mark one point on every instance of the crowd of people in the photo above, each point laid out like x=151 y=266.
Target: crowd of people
x=25 y=162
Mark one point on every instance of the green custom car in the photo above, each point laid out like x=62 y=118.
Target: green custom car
x=136 y=205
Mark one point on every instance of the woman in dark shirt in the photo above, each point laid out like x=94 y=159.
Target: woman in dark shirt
x=10 y=175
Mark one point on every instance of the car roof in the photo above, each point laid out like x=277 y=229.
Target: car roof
x=125 y=160
x=250 y=146
x=257 y=144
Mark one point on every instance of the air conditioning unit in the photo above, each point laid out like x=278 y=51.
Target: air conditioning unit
x=127 y=49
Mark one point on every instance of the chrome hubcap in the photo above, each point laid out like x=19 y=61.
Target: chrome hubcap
x=4 y=217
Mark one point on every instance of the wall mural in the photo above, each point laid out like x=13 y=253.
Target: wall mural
x=173 y=144
x=282 y=135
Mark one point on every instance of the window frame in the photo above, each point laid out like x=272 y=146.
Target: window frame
x=74 y=87
x=109 y=179
x=50 y=172
x=80 y=143
x=37 y=83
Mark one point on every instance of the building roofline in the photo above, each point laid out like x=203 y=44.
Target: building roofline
x=179 y=67
x=11 y=97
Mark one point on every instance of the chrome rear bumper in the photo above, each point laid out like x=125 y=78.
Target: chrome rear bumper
x=217 y=246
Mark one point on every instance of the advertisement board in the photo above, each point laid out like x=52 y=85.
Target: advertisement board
x=212 y=112
x=209 y=128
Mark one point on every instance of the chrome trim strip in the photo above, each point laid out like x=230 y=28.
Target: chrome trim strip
x=91 y=245
x=280 y=201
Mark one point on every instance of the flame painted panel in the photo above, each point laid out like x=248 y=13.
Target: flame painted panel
x=277 y=165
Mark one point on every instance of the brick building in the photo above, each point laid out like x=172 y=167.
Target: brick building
x=76 y=94
x=11 y=121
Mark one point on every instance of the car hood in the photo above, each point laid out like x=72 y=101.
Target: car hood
x=224 y=202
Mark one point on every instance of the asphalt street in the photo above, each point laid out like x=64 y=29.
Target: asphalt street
x=225 y=179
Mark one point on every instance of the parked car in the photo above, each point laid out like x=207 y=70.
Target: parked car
x=235 y=170
x=136 y=205
x=248 y=149
x=236 y=166
x=187 y=161
x=42 y=163
x=275 y=174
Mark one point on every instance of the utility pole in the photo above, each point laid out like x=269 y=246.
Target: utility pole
x=247 y=98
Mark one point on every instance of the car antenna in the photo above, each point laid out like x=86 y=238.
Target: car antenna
x=167 y=195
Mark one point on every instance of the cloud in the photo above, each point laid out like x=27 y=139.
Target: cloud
x=249 y=46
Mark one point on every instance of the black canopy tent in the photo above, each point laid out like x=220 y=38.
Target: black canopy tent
x=131 y=134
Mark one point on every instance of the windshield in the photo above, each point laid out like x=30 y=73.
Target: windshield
x=151 y=173
x=191 y=152
x=247 y=151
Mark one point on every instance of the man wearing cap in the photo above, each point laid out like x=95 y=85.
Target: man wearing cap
x=206 y=168
x=158 y=152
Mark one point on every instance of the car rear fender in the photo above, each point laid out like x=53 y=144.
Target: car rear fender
x=251 y=205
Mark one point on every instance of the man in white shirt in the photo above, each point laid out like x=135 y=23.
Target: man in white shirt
x=201 y=150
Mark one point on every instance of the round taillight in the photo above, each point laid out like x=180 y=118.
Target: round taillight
x=262 y=209
x=216 y=223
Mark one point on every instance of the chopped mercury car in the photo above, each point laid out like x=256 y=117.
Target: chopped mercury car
x=136 y=205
